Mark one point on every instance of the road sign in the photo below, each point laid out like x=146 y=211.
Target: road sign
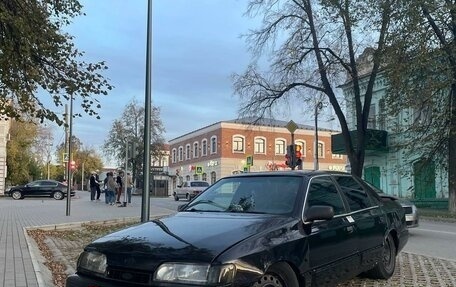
x=65 y=157
x=249 y=161
x=199 y=169
x=291 y=127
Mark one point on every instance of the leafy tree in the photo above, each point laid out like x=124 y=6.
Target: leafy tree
x=22 y=164
x=85 y=158
x=37 y=56
x=313 y=46
x=131 y=127
x=422 y=76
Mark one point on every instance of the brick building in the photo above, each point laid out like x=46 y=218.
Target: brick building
x=222 y=149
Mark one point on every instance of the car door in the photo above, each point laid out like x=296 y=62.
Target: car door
x=369 y=219
x=332 y=243
x=33 y=189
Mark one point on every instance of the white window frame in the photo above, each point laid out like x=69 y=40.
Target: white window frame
x=181 y=153
x=236 y=139
x=187 y=151
x=204 y=147
x=280 y=142
x=263 y=144
x=213 y=144
x=196 y=150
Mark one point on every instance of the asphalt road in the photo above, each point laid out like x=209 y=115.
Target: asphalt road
x=433 y=238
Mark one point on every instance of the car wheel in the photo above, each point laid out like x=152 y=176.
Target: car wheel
x=176 y=198
x=278 y=275
x=187 y=197
x=385 y=268
x=16 y=195
x=58 y=195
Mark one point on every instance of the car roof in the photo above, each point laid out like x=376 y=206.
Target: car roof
x=304 y=173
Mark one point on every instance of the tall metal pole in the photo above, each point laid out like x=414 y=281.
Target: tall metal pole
x=318 y=106
x=145 y=208
x=126 y=173
x=70 y=157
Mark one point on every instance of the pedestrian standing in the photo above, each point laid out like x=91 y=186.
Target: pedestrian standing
x=93 y=186
x=119 y=182
x=97 y=180
x=129 y=182
x=110 y=187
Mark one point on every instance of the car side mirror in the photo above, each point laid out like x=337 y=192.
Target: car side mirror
x=181 y=207
x=179 y=186
x=318 y=212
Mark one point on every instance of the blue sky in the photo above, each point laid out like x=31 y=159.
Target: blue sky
x=196 y=48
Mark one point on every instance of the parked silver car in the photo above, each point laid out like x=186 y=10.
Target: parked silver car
x=190 y=189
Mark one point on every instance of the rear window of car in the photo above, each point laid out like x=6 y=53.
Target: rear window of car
x=199 y=183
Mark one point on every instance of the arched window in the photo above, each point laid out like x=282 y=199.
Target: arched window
x=280 y=146
x=181 y=153
x=204 y=147
x=195 y=150
x=213 y=144
x=187 y=151
x=260 y=145
x=187 y=178
x=174 y=155
x=238 y=144
x=321 y=149
x=204 y=177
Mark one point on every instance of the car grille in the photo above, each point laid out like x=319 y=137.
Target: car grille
x=408 y=209
x=130 y=276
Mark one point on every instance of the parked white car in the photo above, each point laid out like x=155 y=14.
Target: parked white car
x=190 y=189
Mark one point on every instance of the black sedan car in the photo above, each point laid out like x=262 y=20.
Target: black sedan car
x=48 y=188
x=283 y=229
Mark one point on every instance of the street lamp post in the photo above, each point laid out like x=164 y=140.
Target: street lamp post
x=318 y=107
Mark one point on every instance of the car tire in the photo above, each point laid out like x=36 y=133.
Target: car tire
x=176 y=198
x=385 y=267
x=17 y=194
x=278 y=275
x=187 y=197
x=58 y=195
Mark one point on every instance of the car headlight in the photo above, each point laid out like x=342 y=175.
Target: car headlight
x=195 y=273
x=92 y=261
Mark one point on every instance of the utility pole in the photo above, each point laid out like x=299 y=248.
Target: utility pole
x=318 y=107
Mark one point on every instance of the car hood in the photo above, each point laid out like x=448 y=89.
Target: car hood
x=183 y=237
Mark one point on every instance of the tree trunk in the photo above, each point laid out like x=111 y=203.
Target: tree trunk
x=452 y=152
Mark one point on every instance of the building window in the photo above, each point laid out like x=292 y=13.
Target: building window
x=204 y=148
x=321 y=150
x=181 y=153
x=174 y=155
x=187 y=178
x=238 y=143
x=280 y=146
x=187 y=152
x=213 y=177
x=260 y=145
x=371 y=120
x=381 y=115
x=213 y=144
x=204 y=177
x=195 y=177
x=195 y=150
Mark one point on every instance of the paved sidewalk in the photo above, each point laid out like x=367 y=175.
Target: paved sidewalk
x=16 y=266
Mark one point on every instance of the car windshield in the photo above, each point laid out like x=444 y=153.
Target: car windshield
x=261 y=194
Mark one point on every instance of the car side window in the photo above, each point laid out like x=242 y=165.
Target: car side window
x=323 y=191
x=356 y=196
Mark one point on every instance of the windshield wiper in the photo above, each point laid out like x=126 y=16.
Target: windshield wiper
x=204 y=201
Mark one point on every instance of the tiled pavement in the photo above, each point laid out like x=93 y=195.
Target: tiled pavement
x=16 y=260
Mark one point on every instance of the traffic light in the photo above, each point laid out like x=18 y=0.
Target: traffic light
x=298 y=155
x=290 y=156
x=72 y=165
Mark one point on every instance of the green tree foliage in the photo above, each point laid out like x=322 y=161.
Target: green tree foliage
x=37 y=57
x=130 y=127
x=422 y=76
x=312 y=47
x=86 y=159
x=22 y=164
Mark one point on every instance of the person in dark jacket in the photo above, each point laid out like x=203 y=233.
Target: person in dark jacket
x=93 y=185
x=119 y=181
